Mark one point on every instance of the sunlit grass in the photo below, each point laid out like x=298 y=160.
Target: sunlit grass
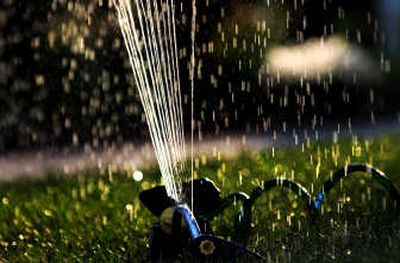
x=96 y=215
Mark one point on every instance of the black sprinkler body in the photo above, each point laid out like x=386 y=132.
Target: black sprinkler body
x=181 y=234
x=185 y=234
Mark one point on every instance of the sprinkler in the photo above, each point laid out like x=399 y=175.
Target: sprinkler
x=182 y=233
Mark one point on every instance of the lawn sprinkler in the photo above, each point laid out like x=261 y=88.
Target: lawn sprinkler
x=181 y=233
x=186 y=234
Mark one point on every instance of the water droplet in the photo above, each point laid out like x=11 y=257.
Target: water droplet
x=137 y=176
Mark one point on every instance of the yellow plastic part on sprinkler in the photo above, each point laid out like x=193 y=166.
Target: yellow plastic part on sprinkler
x=166 y=219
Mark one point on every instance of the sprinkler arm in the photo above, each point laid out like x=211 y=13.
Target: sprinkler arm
x=243 y=222
x=226 y=202
x=344 y=172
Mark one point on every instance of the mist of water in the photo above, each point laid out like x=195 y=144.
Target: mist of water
x=148 y=29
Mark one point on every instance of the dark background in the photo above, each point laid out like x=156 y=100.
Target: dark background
x=65 y=81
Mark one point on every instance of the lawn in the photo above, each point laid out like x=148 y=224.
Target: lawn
x=96 y=215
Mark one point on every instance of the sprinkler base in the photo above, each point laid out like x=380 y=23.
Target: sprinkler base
x=183 y=234
x=183 y=240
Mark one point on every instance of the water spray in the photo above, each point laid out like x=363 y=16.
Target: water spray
x=148 y=29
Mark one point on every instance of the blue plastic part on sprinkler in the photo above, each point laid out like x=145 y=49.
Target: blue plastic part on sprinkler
x=192 y=226
x=319 y=200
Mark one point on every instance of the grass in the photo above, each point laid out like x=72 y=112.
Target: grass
x=96 y=216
